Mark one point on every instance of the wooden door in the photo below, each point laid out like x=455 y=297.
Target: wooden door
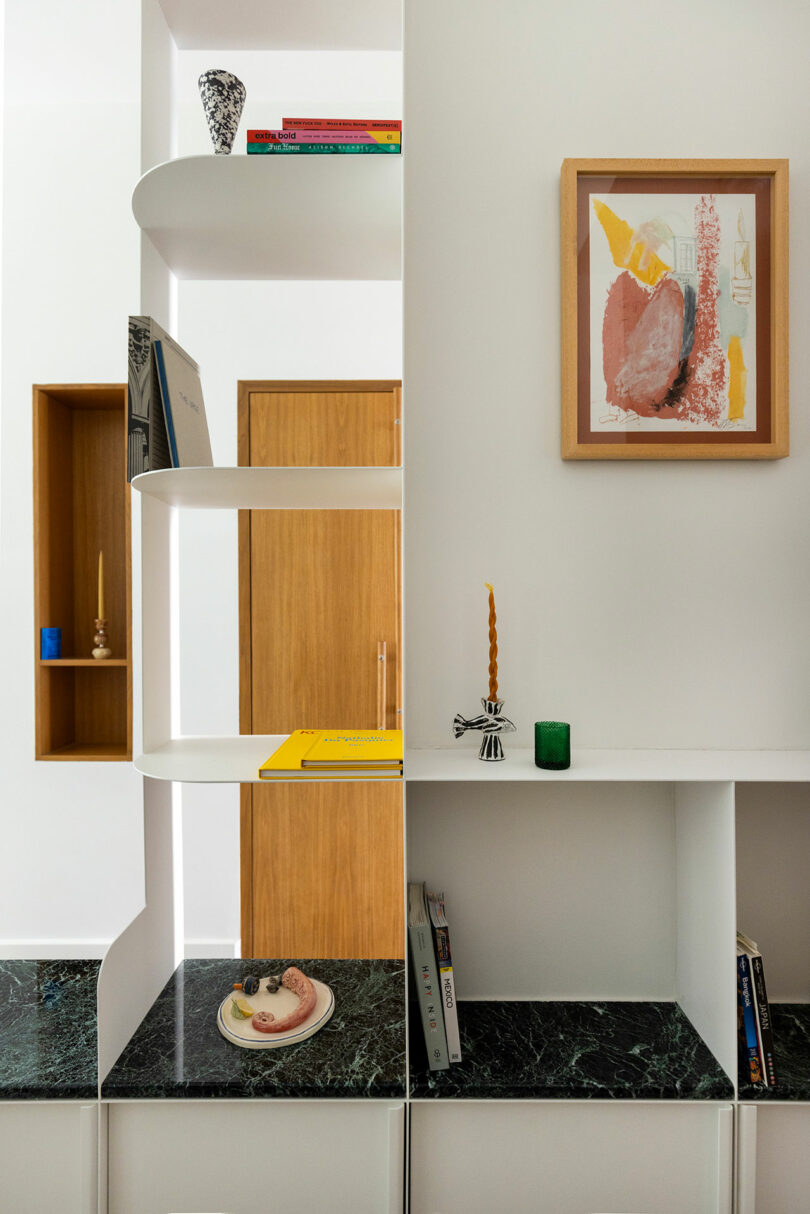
x=319 y=593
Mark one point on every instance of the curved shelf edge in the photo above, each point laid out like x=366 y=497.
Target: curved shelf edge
x=274 y=488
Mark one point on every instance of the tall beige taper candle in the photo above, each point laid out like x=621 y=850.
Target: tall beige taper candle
x=101 y=585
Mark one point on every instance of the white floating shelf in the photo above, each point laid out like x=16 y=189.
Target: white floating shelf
x=306 y=25
x=275 y=488
x=463 y=764
x=282 y=216
x=214 y=760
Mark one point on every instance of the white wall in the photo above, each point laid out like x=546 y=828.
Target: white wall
x=71 y=860
x=630 y=601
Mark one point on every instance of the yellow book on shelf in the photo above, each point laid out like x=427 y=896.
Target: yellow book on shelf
x=310 y=753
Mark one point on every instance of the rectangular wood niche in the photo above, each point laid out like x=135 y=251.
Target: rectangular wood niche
x=81 y=508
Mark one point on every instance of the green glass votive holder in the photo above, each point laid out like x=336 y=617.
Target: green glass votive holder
x=552 y=745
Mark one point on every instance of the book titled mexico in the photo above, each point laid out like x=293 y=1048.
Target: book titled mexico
x=752 y=1061
x=302 y=136
x=341 y=124
x=420 y=938
x=441 y=943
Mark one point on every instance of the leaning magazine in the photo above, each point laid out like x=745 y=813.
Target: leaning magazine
x=441 y=943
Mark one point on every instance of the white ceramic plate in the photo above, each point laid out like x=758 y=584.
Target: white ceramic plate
x=242 y=1032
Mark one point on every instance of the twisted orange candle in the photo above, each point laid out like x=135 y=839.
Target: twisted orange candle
x=493 y=646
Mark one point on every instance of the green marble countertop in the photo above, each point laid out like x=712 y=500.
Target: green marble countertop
x=48 y=1037
x=791 y=1048
x=572 y=1051
x=178 y=1051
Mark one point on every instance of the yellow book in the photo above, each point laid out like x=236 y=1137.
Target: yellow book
x=312 y=752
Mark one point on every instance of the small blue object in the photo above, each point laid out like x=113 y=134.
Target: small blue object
x=50 y=643
x=250 y=985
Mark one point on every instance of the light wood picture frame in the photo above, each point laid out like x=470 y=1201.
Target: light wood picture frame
x=674 y=309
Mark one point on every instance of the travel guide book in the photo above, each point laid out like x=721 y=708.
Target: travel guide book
x=336 y=753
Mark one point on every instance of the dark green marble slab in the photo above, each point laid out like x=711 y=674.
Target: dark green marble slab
x=791 y=1047
x=572 y=1051
x=48 y=1037
x=178 y=1051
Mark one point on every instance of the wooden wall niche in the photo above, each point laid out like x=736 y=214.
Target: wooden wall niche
x=81 y=507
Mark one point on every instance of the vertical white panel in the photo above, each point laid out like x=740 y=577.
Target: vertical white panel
x=143 y=958
x=88 y=1154
x=773 y=890
x=705 y=919
x=156 y=622
x=396 y=1160
x=158 y=71
x=746 y=1151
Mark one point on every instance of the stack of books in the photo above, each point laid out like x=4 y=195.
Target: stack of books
x=358 y=136
x=336 y=754
x=754 y=1029
x=429 y=936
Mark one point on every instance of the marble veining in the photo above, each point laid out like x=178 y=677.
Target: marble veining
x=791 y=1047
x=48 y=1038
x=178 y=1051
x=574 y=1051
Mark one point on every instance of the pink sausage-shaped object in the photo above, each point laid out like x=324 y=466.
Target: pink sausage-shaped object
x=300 y=985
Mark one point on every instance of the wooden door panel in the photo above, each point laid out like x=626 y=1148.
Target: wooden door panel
x=321 y=863
x=327 y=428
x=327 y=870
x=325 y=590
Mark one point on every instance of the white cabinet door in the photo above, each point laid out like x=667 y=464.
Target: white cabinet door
x=49 y=1157
x=773 y=1168
x=242 y=1157
x=571 y=1158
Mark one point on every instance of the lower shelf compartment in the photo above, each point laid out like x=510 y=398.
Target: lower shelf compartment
x=82 y=711
x=178 y=1051
x=572 y=1051
x=791 y=1038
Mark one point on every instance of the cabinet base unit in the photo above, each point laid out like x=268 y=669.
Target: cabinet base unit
x=570 y=1158
x=773 y=1162
x=245 y=1157
x=49 y=1157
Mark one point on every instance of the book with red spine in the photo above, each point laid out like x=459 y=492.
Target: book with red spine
x=341 y=124
x=281 y=136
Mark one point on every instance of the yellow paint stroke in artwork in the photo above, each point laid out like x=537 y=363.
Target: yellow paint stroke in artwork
x=627 y=253
x=736 y=380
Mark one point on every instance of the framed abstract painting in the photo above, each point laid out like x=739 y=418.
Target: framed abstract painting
x=674 y=309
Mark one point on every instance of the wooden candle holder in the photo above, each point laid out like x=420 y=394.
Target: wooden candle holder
x=101 y=651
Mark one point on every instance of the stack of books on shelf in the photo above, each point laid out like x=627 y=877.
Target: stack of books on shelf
x=754 y=1030
x=336 y=754
x=429 y=936
x=308 y=136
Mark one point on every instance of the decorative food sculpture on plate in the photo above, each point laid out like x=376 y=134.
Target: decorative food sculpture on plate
x=281 y=1009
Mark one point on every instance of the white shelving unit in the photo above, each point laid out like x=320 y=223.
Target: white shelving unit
x=621 y=879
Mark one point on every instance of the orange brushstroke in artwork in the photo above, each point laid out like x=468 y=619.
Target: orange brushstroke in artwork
x=628 y=253
x=738 y=374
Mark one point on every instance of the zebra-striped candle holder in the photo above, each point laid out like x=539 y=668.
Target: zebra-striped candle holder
x=492 y=724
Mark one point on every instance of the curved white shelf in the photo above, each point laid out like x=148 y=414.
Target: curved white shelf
x=278 y=25
x=214 y=760
x=767 y=766
x=274 y=488
x=267 y=217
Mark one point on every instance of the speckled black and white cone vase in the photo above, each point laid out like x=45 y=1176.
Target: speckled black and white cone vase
x=223 y=97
